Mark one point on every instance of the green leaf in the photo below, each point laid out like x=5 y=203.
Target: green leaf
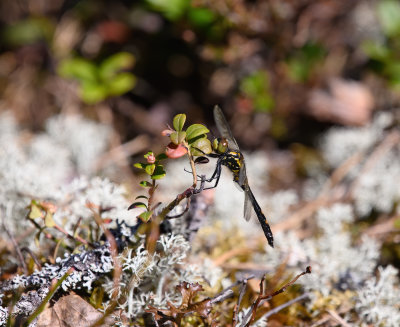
x=141 y=197
x=179 y=121
x=159 y=172
x=171 y=9
x=145 y=184
x=161 y=156
x=115 y=63
x=48 y=220
x=137 y=205
x=254 y=84
x=150 y=169
x=376 y=51
x=202 y=144
x=28 y=31
x=389 y=16
x=264 y=103
x=201 y=17
x=139 y=165
x=78 y=68
x=145 y=216
x=121 y=84
x=196 y=130
x=92 y=93
x=35 y=212
x=178 y=137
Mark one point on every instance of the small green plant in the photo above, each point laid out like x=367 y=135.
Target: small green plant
x=177 y=9
x=191 y=142
x=99 y=82
x=384 y=55
x=155 y=170
x=256 y=87
x=302 y=62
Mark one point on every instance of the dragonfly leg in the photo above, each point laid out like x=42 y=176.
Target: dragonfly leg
x=216 y=175
x=200 y=178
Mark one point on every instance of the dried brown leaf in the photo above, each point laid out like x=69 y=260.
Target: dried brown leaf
x=70 y=310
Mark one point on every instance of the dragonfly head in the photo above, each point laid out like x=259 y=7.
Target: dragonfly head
x=220 y=145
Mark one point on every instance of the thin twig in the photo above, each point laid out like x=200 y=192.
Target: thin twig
x=75 y=238
x=222 y=296
x=230 y=254
x=113 y=249
x=34 y=257
x=240 y=298
x=48 y=297
x=16 y=248
x=285 y=305
x=338 y=318
x=382 y=227
x=262 y=298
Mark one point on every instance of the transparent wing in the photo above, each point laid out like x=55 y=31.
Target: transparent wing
x=243 y=176
x=248 y=207
x=224 y=129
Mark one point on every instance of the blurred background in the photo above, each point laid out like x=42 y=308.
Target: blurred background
x=309 y=88
x=283 y=71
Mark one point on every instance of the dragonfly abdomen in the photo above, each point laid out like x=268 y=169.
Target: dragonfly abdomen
x=261 y=218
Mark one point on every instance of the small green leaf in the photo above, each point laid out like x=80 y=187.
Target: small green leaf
x=35 y=211
x=141 y=197
x=389 y=16
x=196 y=130
x=137 y=205
x=121 y=84
x=201 y=17
x=115 y=63
x=159 y=172
x=178 y=137
x=93 y=92
x=201 y=147
x=145 y=216
x=179 y=121
x=150 y=169
x=139 y=165
x=27 y=31
x=145 y=184
x=171 y=9
x=78 y=68
x=161 y=156
x=48 y=220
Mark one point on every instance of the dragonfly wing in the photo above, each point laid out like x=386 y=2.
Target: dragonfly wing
x=242 y=179
x=224 y=129
x=248 y=207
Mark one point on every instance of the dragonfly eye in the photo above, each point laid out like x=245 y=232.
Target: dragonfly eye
x=220 y=145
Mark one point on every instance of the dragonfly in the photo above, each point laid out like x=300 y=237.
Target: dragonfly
x=228 y=154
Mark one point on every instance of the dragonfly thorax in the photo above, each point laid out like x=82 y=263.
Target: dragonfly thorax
x=233 y=160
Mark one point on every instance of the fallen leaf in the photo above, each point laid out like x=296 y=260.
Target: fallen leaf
x=70 y=310
x=347 y=103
